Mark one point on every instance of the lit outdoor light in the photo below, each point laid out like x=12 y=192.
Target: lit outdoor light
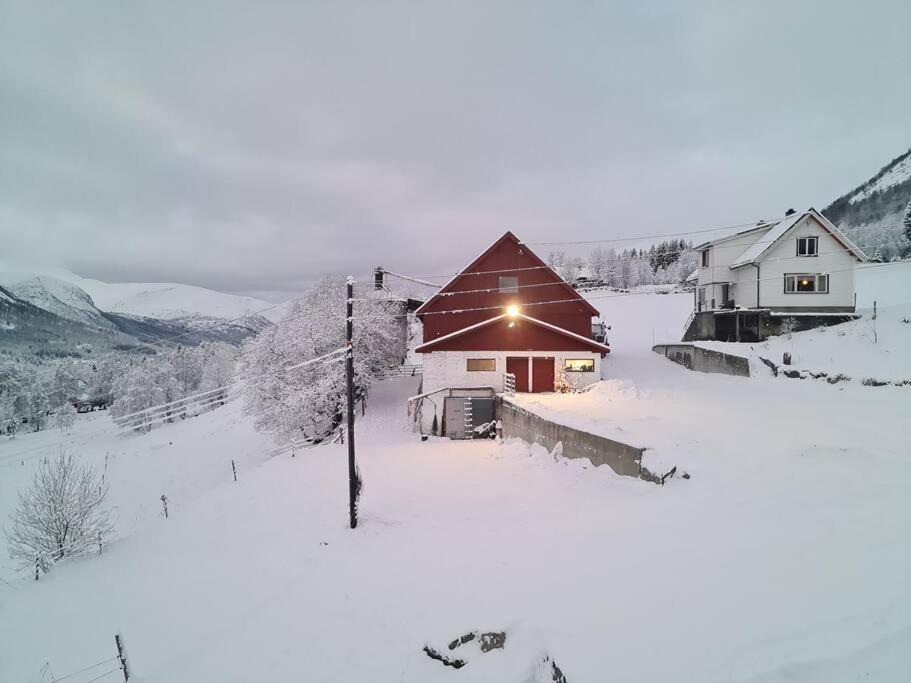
x=512 y=311
x=804 y=282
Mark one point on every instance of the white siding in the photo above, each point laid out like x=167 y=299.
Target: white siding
x=832 y=259
x=448 y=369
x=774 y=264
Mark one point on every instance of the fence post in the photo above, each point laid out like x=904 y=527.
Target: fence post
x=234 y=470
x=121 y=655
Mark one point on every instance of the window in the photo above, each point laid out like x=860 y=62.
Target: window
x=509 y=284
x=705 y=258
x=806 y=283
x=481 y=364
x=579 y=365
x=808 y=246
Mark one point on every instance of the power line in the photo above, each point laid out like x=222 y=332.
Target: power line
x=611 y=296
x=562 y=282
x=620 y=259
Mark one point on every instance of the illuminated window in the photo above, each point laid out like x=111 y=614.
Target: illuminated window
x=806 y=283
x=509 y=284
x=481 y=364
x=579 y=365
x=807 y=246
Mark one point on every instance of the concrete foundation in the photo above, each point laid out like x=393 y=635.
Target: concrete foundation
x=620 y=457
x=704 y=360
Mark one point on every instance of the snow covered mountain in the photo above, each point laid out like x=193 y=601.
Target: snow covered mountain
x=55 y=311
x=55 y=296
x=872 y=213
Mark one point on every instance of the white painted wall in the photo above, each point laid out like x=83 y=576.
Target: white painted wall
x=448 y=369
x=832 y=259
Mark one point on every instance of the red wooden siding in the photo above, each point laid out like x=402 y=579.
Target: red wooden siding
x=512 y=335
x=505 y=255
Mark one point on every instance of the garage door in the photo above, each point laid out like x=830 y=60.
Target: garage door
x=542 y=374
x=518 y=366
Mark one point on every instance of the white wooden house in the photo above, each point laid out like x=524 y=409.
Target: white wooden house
x=747 y=283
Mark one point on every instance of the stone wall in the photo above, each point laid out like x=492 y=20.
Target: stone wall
x=620 y=457
x=704 y=360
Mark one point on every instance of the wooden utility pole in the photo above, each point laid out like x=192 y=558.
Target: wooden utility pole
x=349 y=371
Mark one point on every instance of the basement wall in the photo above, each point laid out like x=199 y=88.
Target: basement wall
x=704 y=360
x=620 y=457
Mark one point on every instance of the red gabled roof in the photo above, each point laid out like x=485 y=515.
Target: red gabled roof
x=566 y=289
x=594 y=346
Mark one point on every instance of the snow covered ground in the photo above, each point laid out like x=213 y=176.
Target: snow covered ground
x=859 y=349
x=784 y=558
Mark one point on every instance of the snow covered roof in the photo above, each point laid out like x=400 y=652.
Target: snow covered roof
x=692 y=277
x=761 y=246
x=603 y=348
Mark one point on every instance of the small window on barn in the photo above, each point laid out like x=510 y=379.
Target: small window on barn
x=579 y=365
x=509 y=284
x=705 y=258
x=808 y=246
x=481 y=364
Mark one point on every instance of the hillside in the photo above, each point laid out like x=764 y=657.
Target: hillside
x=260 y=580
x=63 y=314
x=872 y=213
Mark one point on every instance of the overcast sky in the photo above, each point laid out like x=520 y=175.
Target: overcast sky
x=251 y=147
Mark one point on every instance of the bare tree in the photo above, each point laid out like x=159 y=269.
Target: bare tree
x=789 y=326
x=60 y=515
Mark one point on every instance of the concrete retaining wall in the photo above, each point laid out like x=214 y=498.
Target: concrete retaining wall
x=704 y=360
x=620 y=457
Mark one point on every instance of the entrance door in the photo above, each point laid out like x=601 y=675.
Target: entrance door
x=542 y=374
x=518 y=366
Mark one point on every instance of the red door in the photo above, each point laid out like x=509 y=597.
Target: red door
x=542 y=374
x=519 y=367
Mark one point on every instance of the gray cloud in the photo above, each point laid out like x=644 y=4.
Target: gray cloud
x=251 y=147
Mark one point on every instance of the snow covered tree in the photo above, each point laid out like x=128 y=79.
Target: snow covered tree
x=302 y=402
x=907 y=221
x=65 y=417
x=60 y=515
x=136 y=390
x=217 y=370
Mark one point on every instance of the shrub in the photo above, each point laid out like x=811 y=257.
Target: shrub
x=60 y=515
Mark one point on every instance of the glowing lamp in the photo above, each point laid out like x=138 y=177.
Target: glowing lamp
x=804 y=282
x=512 y=311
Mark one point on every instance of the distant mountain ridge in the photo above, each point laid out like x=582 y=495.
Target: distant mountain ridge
x=56 y=315
x=872 y=213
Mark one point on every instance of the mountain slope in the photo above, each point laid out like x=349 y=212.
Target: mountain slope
x=872 y=213
x=55 y=296
x=40 y=314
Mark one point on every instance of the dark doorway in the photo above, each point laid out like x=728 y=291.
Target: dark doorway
x=542 y=374
x=518 y=366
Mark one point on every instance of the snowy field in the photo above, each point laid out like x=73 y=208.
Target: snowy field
x=784 y=558
x=860 y=349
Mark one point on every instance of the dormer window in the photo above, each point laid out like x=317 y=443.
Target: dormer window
x=807 y=246
x=705 y=258
x=509 y=284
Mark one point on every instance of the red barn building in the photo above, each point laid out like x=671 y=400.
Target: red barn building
x=507 y=312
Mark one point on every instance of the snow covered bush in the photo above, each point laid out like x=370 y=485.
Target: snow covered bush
x=60 y=515
x=297 y=402
x=65 y=418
